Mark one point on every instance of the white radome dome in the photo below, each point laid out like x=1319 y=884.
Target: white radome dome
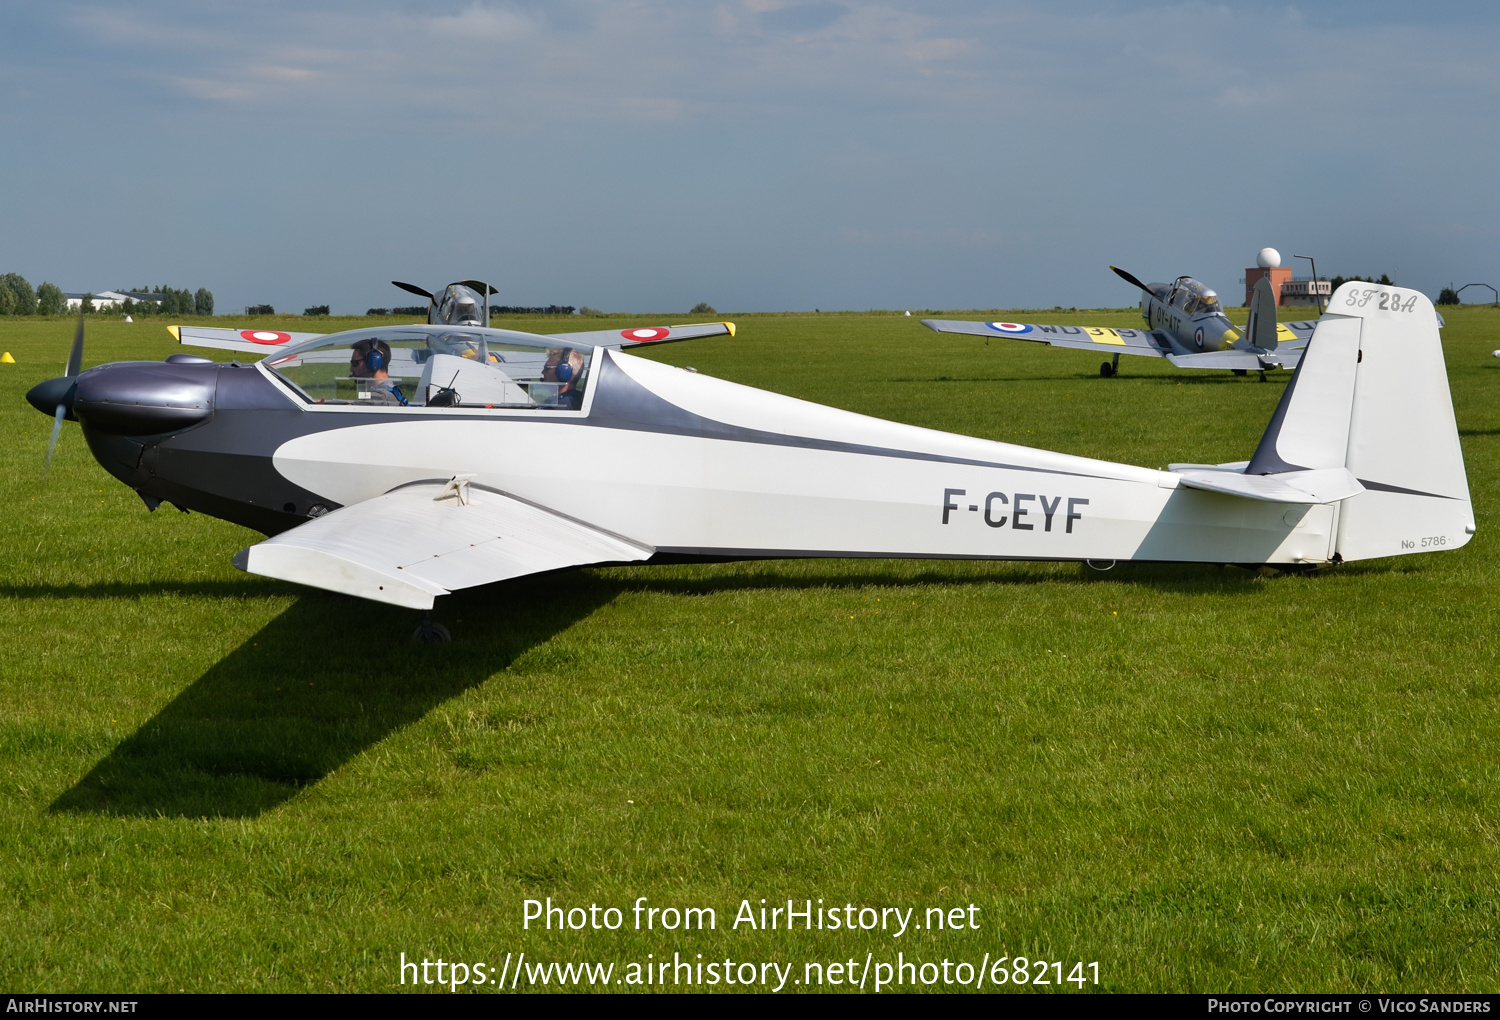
x=1268 y=258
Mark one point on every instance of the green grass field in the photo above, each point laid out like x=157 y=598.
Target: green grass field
x=1201 y=778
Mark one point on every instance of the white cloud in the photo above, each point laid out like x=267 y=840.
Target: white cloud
x=479 y=23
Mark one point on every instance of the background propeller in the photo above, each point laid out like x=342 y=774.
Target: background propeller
x=414 y=289
x=1130 y=279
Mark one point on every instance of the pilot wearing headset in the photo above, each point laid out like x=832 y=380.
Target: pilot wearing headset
x=369 y=359
x=565 y=365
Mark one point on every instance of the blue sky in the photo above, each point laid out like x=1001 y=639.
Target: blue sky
x=756 y=154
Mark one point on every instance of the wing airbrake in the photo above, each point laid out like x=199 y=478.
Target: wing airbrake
x=431 y=538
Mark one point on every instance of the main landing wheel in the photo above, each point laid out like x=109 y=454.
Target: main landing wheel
x=429 y=633
x=1106 y=369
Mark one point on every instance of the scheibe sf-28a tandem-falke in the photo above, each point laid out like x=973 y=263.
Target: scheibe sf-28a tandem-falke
x=474 y=454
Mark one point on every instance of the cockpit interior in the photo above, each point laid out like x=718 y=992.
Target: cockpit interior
x=438 y=367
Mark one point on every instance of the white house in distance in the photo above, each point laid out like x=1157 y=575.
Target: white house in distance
x=111 y=299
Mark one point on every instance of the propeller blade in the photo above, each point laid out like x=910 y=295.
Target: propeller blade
x=480 y=286
x=52 y=443
x=413 y=288
x=1130 y=279
x=75 y=356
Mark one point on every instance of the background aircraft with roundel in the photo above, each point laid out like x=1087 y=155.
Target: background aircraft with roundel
x=1185 y=323
x=459 y=304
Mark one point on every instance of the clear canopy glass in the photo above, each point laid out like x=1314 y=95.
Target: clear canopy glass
x=440 y=366
x=1194 y=298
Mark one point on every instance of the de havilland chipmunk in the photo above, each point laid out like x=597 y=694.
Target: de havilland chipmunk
x=400 y=463
x=1185 y=323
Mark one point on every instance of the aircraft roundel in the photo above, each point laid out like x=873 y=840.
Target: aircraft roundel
x=1198 y=337
x=1010 y=327
x=265 y=336
x=646 y=335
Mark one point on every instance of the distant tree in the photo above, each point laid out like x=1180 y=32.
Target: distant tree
x=377 y=311
x=316 y=310
x=203 y=302
x=168 y=304
x=22 y=298
x=86 y=306
x=260 y=310
x=586 y=310
x=1449 y=296
x=703 y=308
x=50 y=300
x=1385 y=280
x=531 y=309
x=410 y=310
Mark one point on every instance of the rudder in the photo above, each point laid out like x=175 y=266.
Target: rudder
x=1403 y=441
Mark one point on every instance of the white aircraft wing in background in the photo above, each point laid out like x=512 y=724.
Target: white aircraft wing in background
x=251 y=341
x=264 y=341
x=430 y=538
x=618 y=339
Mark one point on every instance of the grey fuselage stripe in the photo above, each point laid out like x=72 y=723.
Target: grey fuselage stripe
x=1382 y=487
x=623 y=403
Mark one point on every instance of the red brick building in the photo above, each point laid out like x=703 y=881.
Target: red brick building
x=1279 y=275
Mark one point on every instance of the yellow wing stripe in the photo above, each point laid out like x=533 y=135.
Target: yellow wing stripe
x=1284 y=335
x=1104 y=336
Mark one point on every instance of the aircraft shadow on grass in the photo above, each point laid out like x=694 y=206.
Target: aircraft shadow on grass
x=332 y=676
x=327 y=679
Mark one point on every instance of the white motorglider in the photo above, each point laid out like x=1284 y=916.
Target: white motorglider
x=470 y=455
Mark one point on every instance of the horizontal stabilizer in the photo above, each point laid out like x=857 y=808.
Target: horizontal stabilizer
x=430 y=538
x=1326 y=486
x=251 y=341
x=1245 y=361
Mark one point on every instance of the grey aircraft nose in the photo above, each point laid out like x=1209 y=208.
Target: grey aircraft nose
x=139 y=398
x=45 y=396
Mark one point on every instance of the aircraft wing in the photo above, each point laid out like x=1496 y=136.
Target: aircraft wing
x=251 y=341
x=628 y=338
x=430 y=538
x=1150 y=343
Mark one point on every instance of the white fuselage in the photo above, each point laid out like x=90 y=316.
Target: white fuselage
x=793 y=478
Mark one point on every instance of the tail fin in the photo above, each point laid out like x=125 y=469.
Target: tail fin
x=1261 y=330
x=1371 y=395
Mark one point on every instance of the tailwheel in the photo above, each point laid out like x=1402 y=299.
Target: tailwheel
x=1262 y=375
